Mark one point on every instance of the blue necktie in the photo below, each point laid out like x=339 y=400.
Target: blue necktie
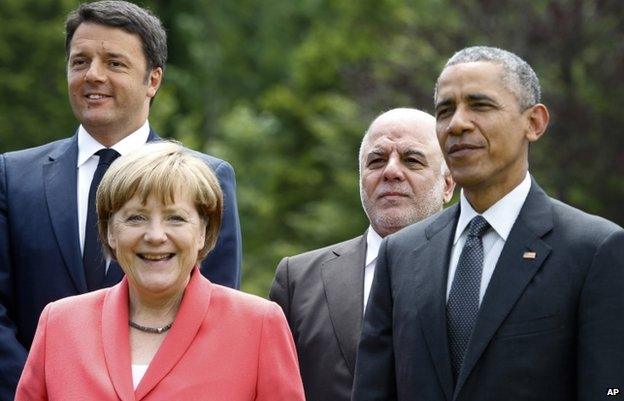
x=462 y=306
x=92 y=255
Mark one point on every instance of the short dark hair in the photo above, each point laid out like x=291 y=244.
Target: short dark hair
x=518 y=75
x=127 y=16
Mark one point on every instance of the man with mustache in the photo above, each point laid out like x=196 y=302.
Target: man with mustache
x=509 y=295
x=403 y=179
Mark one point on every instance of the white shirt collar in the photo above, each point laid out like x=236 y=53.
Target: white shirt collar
x=87 y=145
x=502 y=215
x=373 y=242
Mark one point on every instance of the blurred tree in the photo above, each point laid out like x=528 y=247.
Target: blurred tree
x=284 y=90
x=33 y=96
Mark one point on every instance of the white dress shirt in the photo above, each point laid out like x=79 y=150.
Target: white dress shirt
x=138 y=371
x=87 y=164
x=501 y=216
x=373 y=242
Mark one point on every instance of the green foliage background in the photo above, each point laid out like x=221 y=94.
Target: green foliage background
x=285 y=89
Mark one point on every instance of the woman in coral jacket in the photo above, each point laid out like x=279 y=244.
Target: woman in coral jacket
x=165 y=332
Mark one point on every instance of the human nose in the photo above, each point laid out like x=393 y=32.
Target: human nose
x=394 y=169
x=460 y=122
x=95 y=72
x=155 y=232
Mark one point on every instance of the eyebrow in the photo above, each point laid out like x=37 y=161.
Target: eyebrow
x=76 y=53
x=479 y=96
x=408 y=152
x=471 y=97
x=175 y=209
x=377 y=151
x=116 y=55
x=82 y=53
x=413 y=152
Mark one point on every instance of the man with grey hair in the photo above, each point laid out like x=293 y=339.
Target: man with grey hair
x=509 y=295
x=403 y=179
x=49 y=248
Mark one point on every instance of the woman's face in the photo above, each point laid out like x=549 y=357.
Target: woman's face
x=157 y=245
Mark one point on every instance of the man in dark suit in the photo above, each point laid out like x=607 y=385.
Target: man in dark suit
x=403 y=179
x=510 y=295
x=116 y=55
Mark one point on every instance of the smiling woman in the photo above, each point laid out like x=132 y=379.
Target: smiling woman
x=152 y=334
x=160 y=211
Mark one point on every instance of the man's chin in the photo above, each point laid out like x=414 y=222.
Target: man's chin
x=95 y=119
x=392 y=222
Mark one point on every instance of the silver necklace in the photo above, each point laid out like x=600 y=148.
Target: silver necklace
x=153 y=330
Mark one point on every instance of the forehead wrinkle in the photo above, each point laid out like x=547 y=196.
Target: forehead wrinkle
x=393 y=130
x=413 y=147
x=110 y=38
x=375 y=151
x=109 y=48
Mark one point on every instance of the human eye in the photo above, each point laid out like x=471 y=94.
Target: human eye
x=413 y=161
x=116 y=64
x=443 y=112
x=375 y=162
x=483 y=106
x=77 y=63
x=481 y=102
x=135 y=218
x=176 y=218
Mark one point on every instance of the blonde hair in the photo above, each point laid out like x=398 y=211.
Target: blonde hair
x=161 y=169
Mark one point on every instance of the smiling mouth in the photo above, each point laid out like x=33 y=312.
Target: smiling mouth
x=152 y=257
x=96 y=96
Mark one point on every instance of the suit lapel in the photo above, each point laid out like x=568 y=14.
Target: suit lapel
x=511 y=275
x=60 y=176
x=188 y=320
x=343 y=279
x=116 y=340
x=431 y=261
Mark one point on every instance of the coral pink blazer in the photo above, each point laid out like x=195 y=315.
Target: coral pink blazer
x=224 y=345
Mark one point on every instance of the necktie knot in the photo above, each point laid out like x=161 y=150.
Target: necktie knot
x=107 y=156
x=478 y=226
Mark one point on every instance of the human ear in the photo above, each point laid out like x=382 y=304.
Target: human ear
x=201 y=238
x=154 y=80
x=449 y=186
x=537 y=118
x=112 y=240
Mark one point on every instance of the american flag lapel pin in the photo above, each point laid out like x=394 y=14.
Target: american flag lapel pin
x=529 y=255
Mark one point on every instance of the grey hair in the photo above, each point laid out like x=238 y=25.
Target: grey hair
x=518 y=76
x=127 y=16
